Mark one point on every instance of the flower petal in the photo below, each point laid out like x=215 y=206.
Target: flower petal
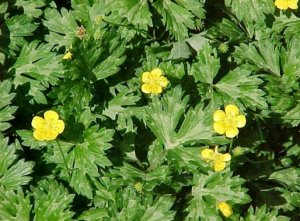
x=219 y=115
x=241 y=121
x=231 y=132
x=147 y=88
x=232 y=110
x=51 y=115
x=51 y=135
x=60 y=126
x=225 y=157
x=39 y=135
x=293 y=4
x=156 y=73
x=219 y=128
x=219 y=165
x=282 y=4
x=156 y=89
x=37 y=122
x=146 y=77
x=208 y=154
x=163 y=81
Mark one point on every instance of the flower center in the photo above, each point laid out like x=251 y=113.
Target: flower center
x=229 y=122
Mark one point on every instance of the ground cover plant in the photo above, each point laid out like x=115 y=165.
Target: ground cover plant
x=149 y=110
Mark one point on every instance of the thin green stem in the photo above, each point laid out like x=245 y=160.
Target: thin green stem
x=259 y=130
x=64 y=158
x=231 y=144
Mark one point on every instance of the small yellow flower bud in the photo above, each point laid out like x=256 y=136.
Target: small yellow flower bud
x=68 y=55
x=138 y=187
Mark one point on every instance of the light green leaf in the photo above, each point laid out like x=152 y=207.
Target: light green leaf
x=13 y=173
x=31 y=7
x=52 y=202
x=260 y=56
x=220 y=187
x=62 y=27
x=6 y=111
x=14 y=205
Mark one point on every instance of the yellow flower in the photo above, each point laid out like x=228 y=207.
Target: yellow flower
x=154 y=82
x=229 y=121
x=218 y=159
x=68 y=55
x=286 y=4
x=47 y=128
x=225 y=209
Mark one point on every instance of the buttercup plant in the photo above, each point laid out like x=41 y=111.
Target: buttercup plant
x=149 y=110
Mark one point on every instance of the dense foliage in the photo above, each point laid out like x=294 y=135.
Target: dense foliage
x=140 y=87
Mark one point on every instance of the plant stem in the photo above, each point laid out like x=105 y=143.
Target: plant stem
x=231 y=143
x=64 y=158
x=259 y=130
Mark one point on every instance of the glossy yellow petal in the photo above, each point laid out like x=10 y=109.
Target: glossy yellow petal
x=293 y=4
x=225 y=157
x=241 y=121
x=208 y=154
x=51 y=115
x=156 y=73
x=282 y=4
x=225 y=209
x=219 y=165
x=51 y=135
x=219 y=115
x=37 y=122
x=231 y=132
x=60 y=126
x=232 y=110
x=156 y=89
x=219 y=128
x=147 y=88
x=146 y=77
x=163 y=81
x=39 y=135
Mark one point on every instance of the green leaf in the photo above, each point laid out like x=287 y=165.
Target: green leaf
x=62 y=27
x=85 y=158
x=14 y=205
x=13 y=172
x=212 y=188
x=207 y=66
x=39 y=68
x=19 y=26
x=93 y=214
x=252 y=13
x=138 y=13
x=160 y=210
x=239 y=84
x=121 y=100
x=178 y=17
x=260 y=56
x=52 y=202
x=262 y=213
x=180 y=50
x=6 y=111
x=31 y=7
x=164 y=115
x=290 y=177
